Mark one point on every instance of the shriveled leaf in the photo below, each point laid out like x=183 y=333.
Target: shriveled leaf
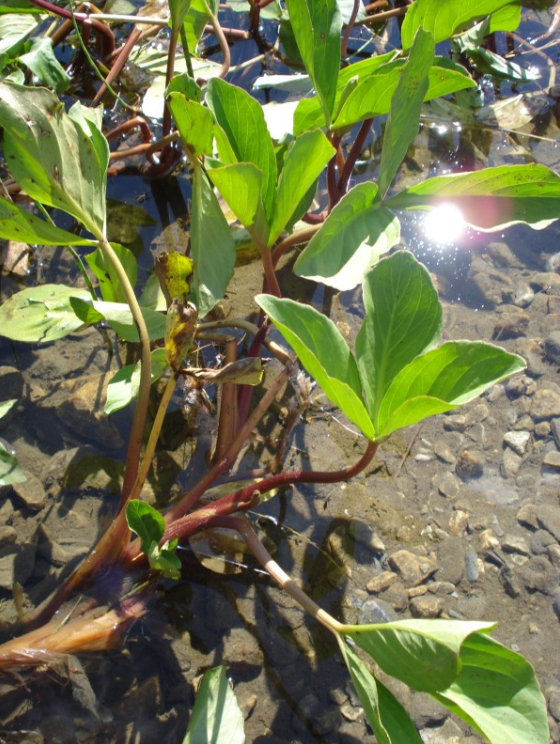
x=123 y=387
x=174 y=271
x=216 y=716
x=492 y=198
x=242 y=372
x=212 y=246
x=241 y=186
x=385 y=715
x=10 y=471
x=58 y=159
x=41 y=314
x=40 y=58
x=146 y=522
x=317 y=25
x=354 y=236
x=497 y=694
x=194 y=122
x=403 y=318
x=18 y=224
x=241 y=118
x=424 y=654
x=444 y=19
x=304 y=162
x=404 y=115
x=109 y=282
x=323 y=352
x=179 y=332
x=441 y=380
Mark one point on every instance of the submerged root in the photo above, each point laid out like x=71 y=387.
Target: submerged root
x=89 y=630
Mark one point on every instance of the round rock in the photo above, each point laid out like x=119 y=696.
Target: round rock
x=545 y=405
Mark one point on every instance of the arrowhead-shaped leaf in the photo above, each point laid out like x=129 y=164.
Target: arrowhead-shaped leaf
x=17 y=223
x=323 y=352
x=492 y=198
x=356 y=233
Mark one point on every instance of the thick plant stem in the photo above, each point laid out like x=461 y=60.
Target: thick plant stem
x=139 y=420
x=278 y=574
x=227 y=425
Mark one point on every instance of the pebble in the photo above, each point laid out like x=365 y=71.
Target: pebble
x=471 y=564
x=451 y=559
x=548 y=517
x=509 y=581
x=543 y=429
x=455 y=422
x=511 y=462
x=553 y=263
x=413 y=569
x=446 y=484
x=527 y=515
x=427 y=606
x=552 y=460
x=367 y=537
x=16 y=564
x=553 y=552
x=458 y=522
x=552 y=347
x=470 y=465
x=553 y=694
x=376 y=611
x=540 y=541
x=515 y=544
x=555 y=430
x=381 y=582
x=487 y=540
x=511 y=324
x=539 y=576
x=525 y=422
x=8 y=535
x=545 y=405
x=523 y=295
x=444 y=453
x=517 y=440
x=31 y=492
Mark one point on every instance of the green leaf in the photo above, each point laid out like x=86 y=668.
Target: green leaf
x=317 y=25
x=212 y=246
x=373 y=96
x=240 y=185
x=14 y=30
x=441 y=380
x=404 y=116
x=178 y=10
x=216 y=717
x=119 y=317
x=488 y=63
x=41 y=60
x=41 y=314
x=164 y=560
x=18 y=6
x=18 y=224
x=6 y=405
x=353 y=237
x=146 y=522
x=323 y=352
x=242 y=120
x=492 y=198
x=303 y=164
x=58 y=159
x=195 y=20
x=10 y=471
x=385 y=715
x=424 y=654
x=194 y=122
x=403 y=318
x=497 y=694
x=123 y=387
x=109 y=282
x=444 y=19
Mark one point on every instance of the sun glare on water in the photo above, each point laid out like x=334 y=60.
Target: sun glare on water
x=444 y=225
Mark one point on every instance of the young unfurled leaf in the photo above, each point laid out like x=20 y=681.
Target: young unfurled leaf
x=216 y=716
x=146 y=522
x=123 y=387
x=179 y=332
x=354 y=236
x=41 y=314
x=164 y=559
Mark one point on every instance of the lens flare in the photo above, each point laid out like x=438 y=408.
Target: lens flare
x=444 y=224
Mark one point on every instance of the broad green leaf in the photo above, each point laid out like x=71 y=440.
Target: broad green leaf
x=403 y=318
x=354 y=236
x=488 y=63
x=178 y=10
x=241 y=118
x=164 y=560
x=303 y=164
x=18 y=224
x=10 y=471
x=19 y=7
x=444 y=19
x=507 y=18
x=15 y=28
x=146 y=522
x=216 y=716
x=404 y=116
x=109 y=282
x=385 y=715
x=6 y=405
x=373 y=96
x=212 y=246
x=119 y=317
x=57 y=159
x=441 y=380
x=41 y=314
x=497 y=694
x=194 y=122
x=123 y=387
x=492 y=198
x=424 y=654
x=240 y=185
x=317 y=25
x=188 y=87
x=195 y=20
x=323 y=352
x=40 y=58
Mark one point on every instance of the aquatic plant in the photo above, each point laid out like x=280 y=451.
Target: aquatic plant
x=397 y=374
